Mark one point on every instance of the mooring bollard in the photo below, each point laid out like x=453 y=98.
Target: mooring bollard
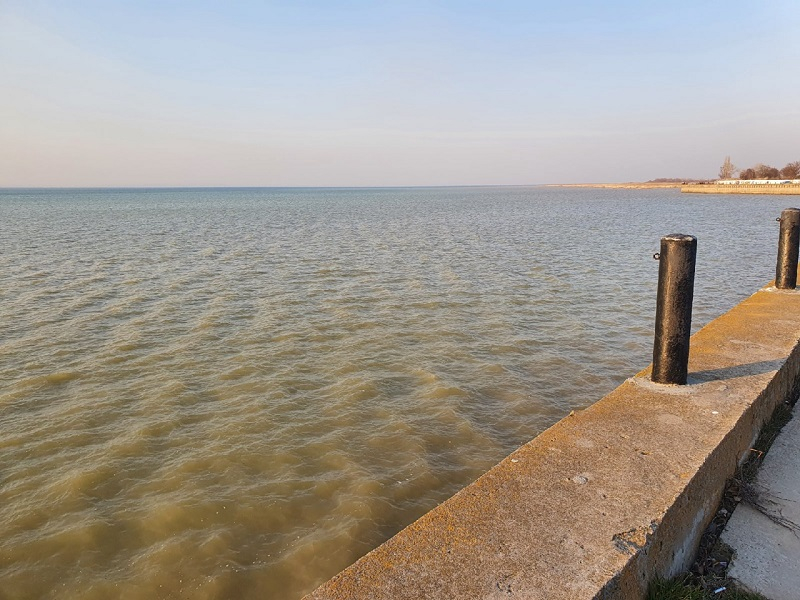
x=788 y=243
x=674 y=308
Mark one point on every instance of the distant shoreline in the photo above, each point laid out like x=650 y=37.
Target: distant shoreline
x=628 y=186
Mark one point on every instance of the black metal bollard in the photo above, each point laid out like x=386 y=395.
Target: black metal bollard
x=788 y=243
x=674 y=308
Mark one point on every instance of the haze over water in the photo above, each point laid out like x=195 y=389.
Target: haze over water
x=236 y=393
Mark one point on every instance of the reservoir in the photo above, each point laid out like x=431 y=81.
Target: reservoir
x=217 y=393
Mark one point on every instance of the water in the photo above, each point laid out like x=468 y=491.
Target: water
x=236 y=393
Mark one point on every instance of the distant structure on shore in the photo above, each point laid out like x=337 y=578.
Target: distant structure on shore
x=745 y=186
x=759 y=172
x=759 y=179
x=756 y=181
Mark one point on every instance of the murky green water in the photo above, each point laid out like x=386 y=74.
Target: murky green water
x=236 y=393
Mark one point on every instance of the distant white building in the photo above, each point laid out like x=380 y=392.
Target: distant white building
x=756 y=181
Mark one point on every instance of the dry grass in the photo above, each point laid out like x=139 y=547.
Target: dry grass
x=685 y=589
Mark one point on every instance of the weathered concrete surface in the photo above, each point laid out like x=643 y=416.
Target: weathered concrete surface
x=766 y=533
x=737 y=188
x=608 y=497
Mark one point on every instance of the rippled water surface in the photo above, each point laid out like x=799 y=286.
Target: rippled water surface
x=236 y=393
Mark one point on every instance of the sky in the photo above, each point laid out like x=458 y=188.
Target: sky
x=382 y=93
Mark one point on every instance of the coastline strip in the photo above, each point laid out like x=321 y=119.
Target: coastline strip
x=626 y=186
x=744 y=188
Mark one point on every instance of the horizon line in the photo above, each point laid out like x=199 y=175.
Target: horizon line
x=267 y=187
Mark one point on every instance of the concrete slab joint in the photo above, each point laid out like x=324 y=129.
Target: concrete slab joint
x=609 y=497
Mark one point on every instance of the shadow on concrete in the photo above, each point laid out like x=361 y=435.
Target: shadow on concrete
x=743 y=370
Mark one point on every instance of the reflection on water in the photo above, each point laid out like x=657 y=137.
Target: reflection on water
x=236 y=393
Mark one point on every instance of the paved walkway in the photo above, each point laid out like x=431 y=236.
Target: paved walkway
x=765 y=533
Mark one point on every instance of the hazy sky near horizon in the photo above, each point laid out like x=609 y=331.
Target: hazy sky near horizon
x=357 y=93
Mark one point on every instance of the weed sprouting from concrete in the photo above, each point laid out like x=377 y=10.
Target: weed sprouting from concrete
x=781 y=416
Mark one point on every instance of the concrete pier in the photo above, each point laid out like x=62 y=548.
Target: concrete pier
x=609 y=497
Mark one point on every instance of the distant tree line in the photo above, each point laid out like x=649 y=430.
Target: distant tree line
x=759 y=171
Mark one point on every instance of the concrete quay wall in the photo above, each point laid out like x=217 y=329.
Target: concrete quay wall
x=608 y=497
x=735 y=188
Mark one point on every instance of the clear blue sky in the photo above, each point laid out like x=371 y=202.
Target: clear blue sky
x=333 y=92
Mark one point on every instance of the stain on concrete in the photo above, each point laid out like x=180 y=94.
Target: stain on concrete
x=634 y=539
